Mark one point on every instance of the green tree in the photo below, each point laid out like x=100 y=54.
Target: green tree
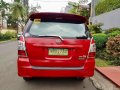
x=33 y=9
x=17 y=1
x=74 y=9
x=3 y=7
x=106 y=6
x=78 y=9
x=18 y=12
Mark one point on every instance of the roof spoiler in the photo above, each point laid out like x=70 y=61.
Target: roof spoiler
x=58 y=17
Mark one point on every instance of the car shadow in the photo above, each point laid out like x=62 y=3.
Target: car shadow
x=56 y=83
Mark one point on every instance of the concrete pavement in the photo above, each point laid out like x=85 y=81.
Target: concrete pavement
x=102 y=83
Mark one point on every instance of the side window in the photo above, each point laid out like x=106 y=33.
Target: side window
x=88 y=34
x=27 y=27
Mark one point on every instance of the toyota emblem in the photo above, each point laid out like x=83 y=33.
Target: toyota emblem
x=58 y=41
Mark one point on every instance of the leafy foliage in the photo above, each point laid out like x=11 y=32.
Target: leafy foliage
x=113 y=60
x=34 y=9
x=108 y=46
x=8 y=35
x=16 y=0
x=106 y=6
x=18 y=11
x=100 y=40
x=3 y=7
x=11 y=23
x=1 y=36
x=112 y=32
x=113 y=46
x=78 y=9
x=95 y=28
x=111 y=52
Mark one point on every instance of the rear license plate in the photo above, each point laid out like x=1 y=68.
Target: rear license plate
x=58 y=52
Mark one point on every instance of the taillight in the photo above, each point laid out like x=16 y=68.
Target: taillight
x=92 y=49
x=21 y=47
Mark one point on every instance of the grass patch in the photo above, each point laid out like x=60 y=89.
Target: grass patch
x=102 y=63
x=13 y=39
x=6 y=30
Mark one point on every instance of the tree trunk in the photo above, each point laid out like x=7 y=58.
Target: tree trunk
x=1 y=21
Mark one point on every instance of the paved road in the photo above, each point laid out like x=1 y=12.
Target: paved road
x=10 y=81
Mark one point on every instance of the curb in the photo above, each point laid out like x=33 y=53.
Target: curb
x=97 y=85
x=102 y=83
x=106 y=76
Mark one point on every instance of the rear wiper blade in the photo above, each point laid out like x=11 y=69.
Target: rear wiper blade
x=51 y=36
x=82 y=37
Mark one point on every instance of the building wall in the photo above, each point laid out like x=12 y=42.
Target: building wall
x=109 y=19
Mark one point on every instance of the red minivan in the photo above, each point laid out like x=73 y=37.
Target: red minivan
x=56 y=45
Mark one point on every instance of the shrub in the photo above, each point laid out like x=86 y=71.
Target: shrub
x=115 y=60
x=1 y=36
x=9 y=35
x=14 y=34
x=112 y=50
x=112 y=32
x=96 y=28
x=106 y=6
x=113 y=46
x=100 y=40
x=102 y=54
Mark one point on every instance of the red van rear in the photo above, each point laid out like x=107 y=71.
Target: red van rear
x=56 y=45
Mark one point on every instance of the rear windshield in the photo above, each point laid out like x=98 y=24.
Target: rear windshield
x=65 y=30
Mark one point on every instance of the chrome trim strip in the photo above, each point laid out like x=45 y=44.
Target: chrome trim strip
x=57 y=68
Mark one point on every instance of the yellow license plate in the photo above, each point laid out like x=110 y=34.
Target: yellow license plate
x=59 y=52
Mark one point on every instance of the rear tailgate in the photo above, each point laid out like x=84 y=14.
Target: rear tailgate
x=69 y=53
x=53 y=51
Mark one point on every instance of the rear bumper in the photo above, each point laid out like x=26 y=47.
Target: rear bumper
x=26 y=70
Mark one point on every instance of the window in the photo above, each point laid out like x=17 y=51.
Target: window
x=64 y=30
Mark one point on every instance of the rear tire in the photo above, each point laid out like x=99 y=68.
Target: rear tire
x=80 y=78
x=27 y=78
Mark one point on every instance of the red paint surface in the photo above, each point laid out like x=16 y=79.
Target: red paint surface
x=112 y=73
x=37 y=49
x=37 y=53
x=25 y=70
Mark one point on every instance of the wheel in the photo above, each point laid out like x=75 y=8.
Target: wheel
x=80 y=78
x=27 y=78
